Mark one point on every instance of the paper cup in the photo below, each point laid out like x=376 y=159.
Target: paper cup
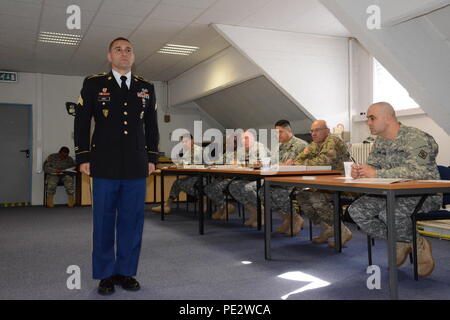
x=348 y=169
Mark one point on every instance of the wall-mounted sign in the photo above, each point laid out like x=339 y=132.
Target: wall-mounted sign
x=7 y=76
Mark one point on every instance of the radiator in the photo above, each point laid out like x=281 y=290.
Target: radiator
x=360 y=151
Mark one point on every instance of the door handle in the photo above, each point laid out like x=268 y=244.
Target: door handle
x=27 y=152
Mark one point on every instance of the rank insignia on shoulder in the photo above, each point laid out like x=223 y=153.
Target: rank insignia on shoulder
x=423 y=154
x=105 y=112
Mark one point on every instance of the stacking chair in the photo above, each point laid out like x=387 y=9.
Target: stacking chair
x=444 y=172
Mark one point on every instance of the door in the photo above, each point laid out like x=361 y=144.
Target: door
x=15 y=154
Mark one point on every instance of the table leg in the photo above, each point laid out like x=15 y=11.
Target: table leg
x=268 y=220
x=391 y=241
x=162 y=195
x=258 y=203
x=201 y=218
x=337 y=222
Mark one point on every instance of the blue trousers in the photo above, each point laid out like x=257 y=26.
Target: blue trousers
x=118 y=214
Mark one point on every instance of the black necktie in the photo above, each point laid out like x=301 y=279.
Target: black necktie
x=123 y=86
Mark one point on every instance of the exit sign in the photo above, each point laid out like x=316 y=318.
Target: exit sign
x=7 y=76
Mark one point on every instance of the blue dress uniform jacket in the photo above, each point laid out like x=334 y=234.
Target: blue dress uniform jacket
x=125 y=137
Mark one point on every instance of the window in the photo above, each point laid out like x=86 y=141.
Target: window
x=386 y=88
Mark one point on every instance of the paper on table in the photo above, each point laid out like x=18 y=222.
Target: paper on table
x=377 y=180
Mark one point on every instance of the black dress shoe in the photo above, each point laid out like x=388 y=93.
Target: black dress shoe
x=106 y=286
x=127 y=283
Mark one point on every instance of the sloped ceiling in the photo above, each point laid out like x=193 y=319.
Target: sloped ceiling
x=234 y=107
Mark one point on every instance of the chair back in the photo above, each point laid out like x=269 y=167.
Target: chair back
x=444 y=172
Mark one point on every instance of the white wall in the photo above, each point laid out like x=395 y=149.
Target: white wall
x=223 y=70
x=53 y=127
x=415 y=52
x=311 y=70
x=362 y=99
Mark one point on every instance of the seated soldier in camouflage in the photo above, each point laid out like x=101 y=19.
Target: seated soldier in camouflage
x=54 y=167
x=244 y=191
x=216 y=189
x=289 y=148
x=398 y=152
x=325 y=150
x=192 y=155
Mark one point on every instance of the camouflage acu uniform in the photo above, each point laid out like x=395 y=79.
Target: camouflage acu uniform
x=216 y=189
x=317 y=205
x=187 y=184
x=51 y=165
x=411 y=155
x=244 y=191
x=280 y=195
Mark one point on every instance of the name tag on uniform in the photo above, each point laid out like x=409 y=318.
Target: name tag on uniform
x=104 y=98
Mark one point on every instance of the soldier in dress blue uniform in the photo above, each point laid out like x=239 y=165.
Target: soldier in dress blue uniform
x=120 y=155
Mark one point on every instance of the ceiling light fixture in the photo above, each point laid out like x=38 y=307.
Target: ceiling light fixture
x=59 y=38
x=178 y=49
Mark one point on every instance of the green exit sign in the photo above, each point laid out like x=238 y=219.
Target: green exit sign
x=7 y=76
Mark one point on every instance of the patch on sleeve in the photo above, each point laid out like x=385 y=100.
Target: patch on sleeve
x=423 y=154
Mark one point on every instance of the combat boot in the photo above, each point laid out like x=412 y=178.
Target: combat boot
x=346 y=236
x=403 y=250
x=167 y=207
x=252 y=215
x=217 y=215
x=50 y=203
x=298 y=225
x=231 y=209
x=327 y=233
x=285 y=224
x=70 y=201
x=425 y=261
x=255 y=221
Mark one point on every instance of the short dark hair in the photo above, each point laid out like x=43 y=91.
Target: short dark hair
x=283 y=123
x=64 y=149
x=117 y=39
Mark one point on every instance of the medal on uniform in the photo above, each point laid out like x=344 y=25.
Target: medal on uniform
x=105 y=112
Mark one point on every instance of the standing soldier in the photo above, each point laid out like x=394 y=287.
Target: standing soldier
x=398 y=152
x=55 y=167
x=121 y=154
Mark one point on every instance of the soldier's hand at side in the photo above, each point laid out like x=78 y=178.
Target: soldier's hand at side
x=85 y=168
x=151 y=168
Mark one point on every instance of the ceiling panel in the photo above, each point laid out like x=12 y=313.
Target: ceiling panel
x=116 y=20
x=175 y=13
x=20 y=9
x=138 y=8
x=307 y=16
x=10 y=23
x=148 y=23
x=230 y=11
x=90 y=5
x=200 y=4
